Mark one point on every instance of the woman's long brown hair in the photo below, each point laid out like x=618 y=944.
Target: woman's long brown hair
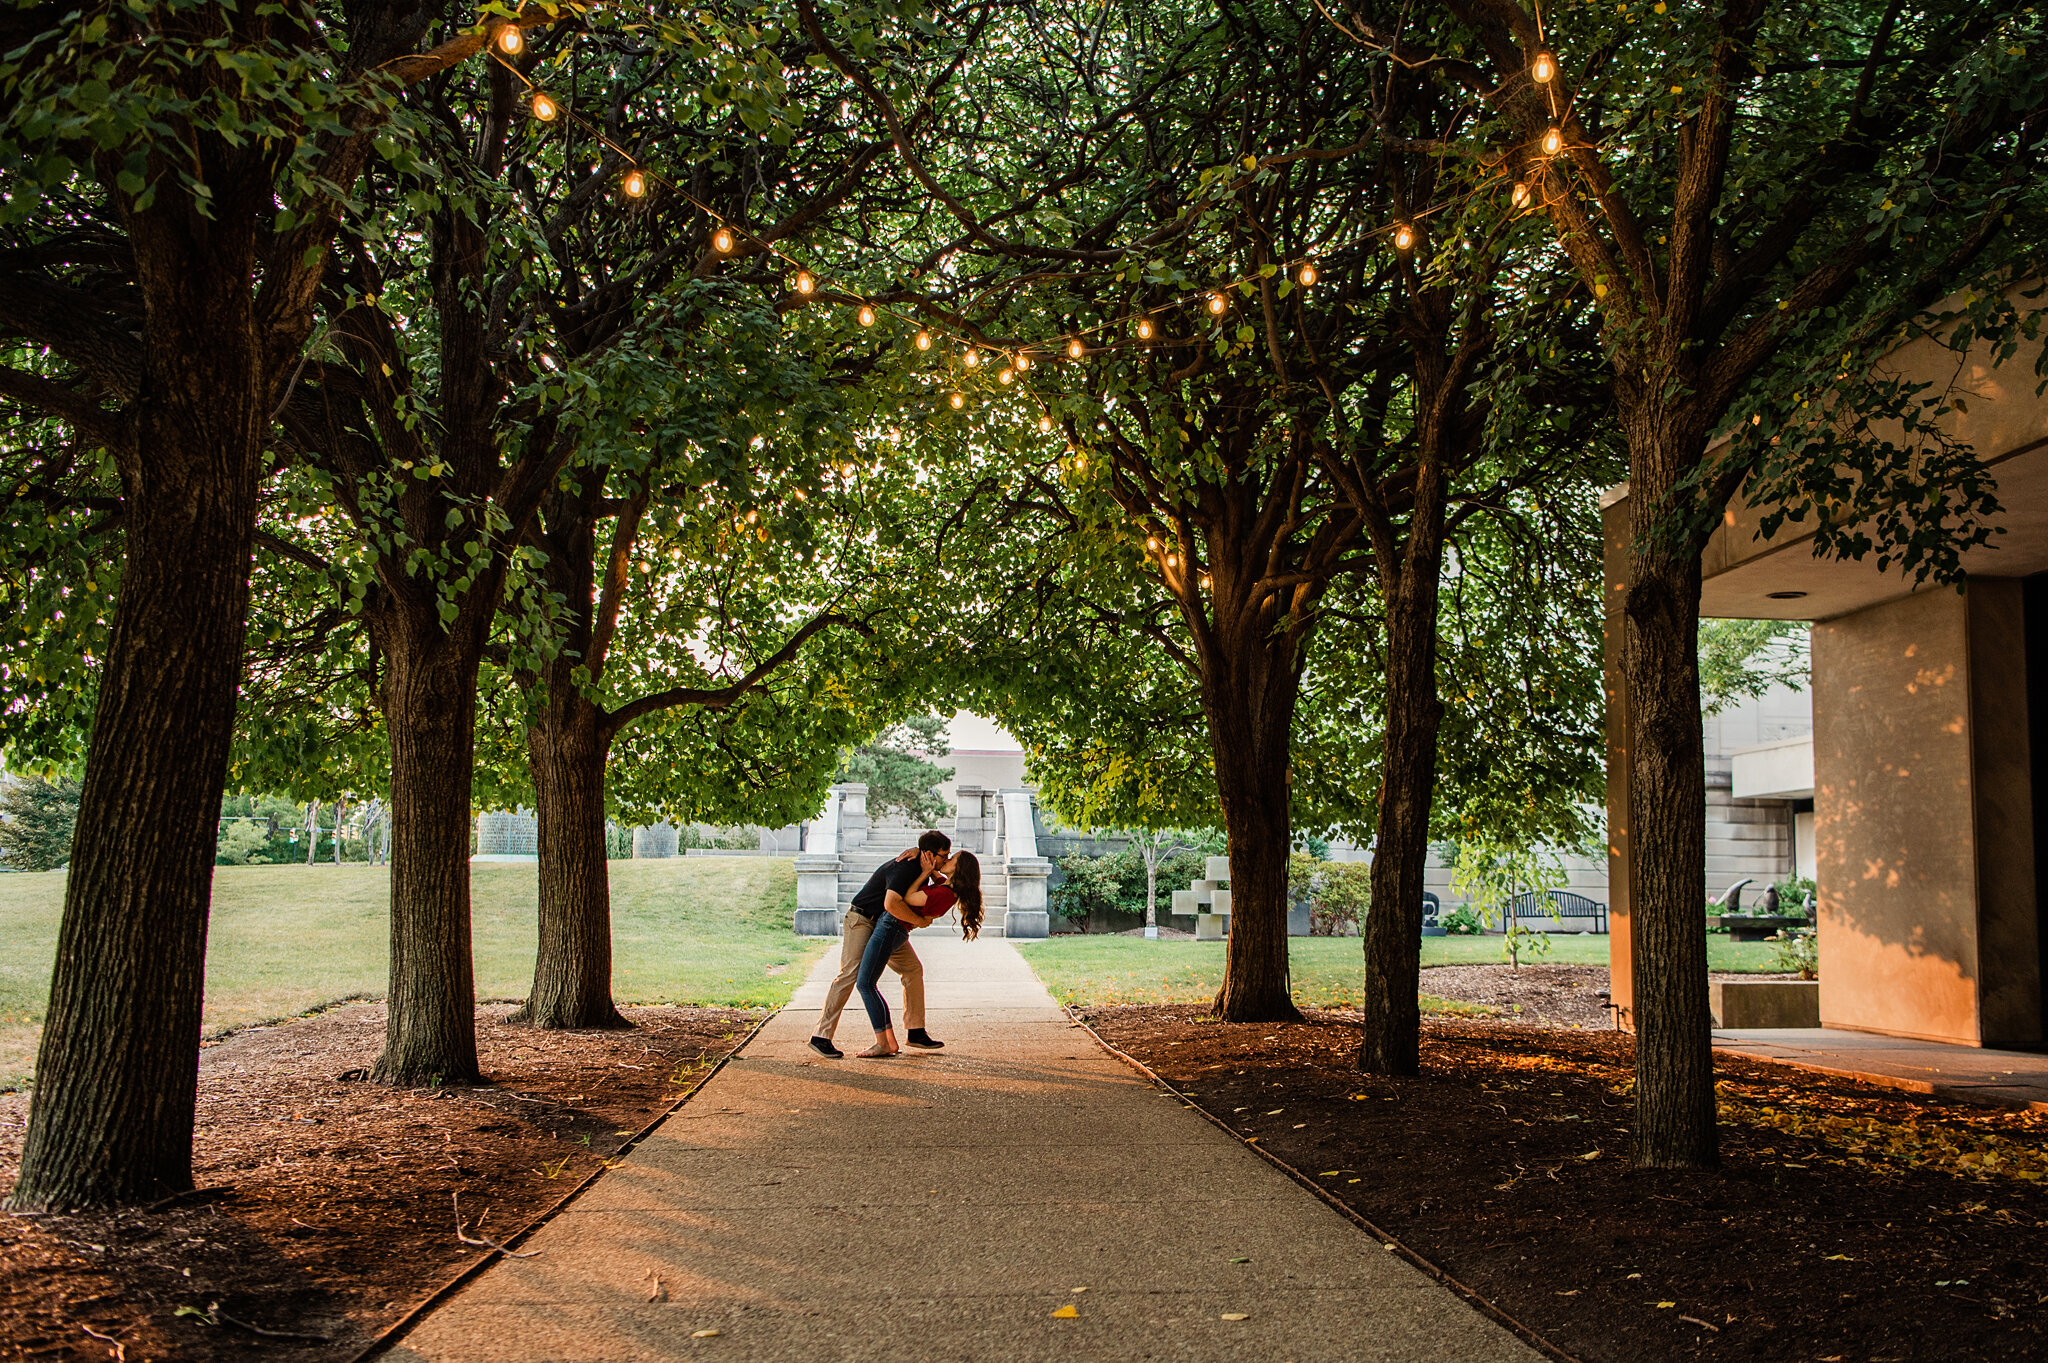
x=966 y=885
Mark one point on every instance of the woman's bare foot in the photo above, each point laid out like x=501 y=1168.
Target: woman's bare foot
x=874 y=1052
x=884 y=1047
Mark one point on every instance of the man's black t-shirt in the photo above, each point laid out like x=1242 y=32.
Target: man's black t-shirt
x=873 y=899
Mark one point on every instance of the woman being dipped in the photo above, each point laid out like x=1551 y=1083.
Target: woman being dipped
x=919 y=907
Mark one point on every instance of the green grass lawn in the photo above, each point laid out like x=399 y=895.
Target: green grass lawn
x=1096 y=970
x=702 y=930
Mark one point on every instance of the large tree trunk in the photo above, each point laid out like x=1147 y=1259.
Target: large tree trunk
x=572 y=971
x=1675 y=1111
x=430 y=710
x=116 y=1074
x=1251 y=723
x=1391 y=1043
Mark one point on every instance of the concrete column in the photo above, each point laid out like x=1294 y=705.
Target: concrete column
x=967 y=820
x=1924 y=819
x=817 y=871
x=1027 y=915
x=853 y=814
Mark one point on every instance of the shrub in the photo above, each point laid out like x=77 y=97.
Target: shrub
x=1338 y=897
x=36 y=821
x=1462 y=922
x=1107 y=884
x=1799 y=953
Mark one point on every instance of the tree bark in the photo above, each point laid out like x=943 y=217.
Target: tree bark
x=572 y=969
x=429 y=696
x=117 y=1070
x=1675 y=1109
x=1392 y=1033
x=1251 y=723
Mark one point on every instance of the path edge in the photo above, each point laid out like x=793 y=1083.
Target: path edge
x=1469 y=1295
x=400 y=1328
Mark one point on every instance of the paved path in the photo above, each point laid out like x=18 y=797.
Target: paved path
x=943 y=1206
x=1968 y=1074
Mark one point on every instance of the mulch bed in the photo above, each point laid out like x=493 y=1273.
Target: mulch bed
x=1847 y=1222
x=326 y=1206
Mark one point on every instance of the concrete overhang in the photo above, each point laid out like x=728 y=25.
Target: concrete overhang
x=1746 y=576
x=1773 y=771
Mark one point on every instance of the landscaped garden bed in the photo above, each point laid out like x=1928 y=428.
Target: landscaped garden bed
x=326 y=1206
x=1847 y=1222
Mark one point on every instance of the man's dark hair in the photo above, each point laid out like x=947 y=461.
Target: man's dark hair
x=934 y=841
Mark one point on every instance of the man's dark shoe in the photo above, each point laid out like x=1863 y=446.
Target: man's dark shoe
x=823 y=1046
x=920 y=1038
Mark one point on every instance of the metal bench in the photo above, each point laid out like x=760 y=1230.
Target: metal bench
x=1559 y=908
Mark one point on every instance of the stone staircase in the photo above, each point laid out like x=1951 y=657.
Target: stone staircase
x=847 y=849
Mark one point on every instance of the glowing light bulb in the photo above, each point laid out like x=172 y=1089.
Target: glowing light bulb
x=1006 y=376
x=722 y=242
x=753 y=516
x=1044 y=423
x=1075 y=349
x=806 y=282
x=511 y=41
x=1023 y=360
x=1543 y=68
x=1080 y=463
x=1152 y=542
x=972 y=359
x=1307 y=276
x=1521 y=194
x=867 y=317
x=924 y=340
x=1173 y=560
x=1144 y=328
x=1404 y=236
x=1205 y=582
x=958 y=401
x=635 y=184
x=545 y=108
x=1553 y=140
x=1216 y=304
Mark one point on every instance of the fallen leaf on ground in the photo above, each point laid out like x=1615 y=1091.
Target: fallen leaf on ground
x=1067 y=1312
x=1237 y=1315
x=1663 y=1305
x=1077 y=1289
x=704 y=1334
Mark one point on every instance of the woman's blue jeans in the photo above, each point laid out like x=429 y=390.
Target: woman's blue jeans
x=890 y=933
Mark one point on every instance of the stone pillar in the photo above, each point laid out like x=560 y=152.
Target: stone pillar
x=817 y=871
x=967 y=820
x=1027 y=915
x=853 y=814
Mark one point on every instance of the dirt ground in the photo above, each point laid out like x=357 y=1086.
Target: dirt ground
x=327 y=1205
x=1848 y=1223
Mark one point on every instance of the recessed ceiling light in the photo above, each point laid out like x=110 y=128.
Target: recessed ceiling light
x=1784 y=596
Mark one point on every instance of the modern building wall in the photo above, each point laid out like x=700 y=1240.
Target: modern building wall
x=1924 y=819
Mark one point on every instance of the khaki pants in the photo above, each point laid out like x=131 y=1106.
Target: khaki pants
x=855 y=929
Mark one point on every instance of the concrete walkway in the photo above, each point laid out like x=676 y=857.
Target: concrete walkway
x=1966 y=1074
x=944 y=1206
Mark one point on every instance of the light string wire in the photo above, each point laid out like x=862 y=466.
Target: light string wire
x=1214 y=298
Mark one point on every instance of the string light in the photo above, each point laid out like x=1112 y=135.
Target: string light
x=1152 y=543
x=1521 y=194
x=867 y=316
x=1075 y=350
x=806 y=282
x=1216 y=304
x=1044 y=424
x=1006 y=376
x=924 y=340
x=1023 y=360
x=972 y=358
x=1205 y=582
x=1307 y=275
x=1144 y=328
x=722 y=242
x=1404 y=236
x=958 y=401
x=1080 y=462
x=1553 y=140
x=635 y=184
x=545 y=108
x=511 y=41
x=1173 y=560
x=1544 y=68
